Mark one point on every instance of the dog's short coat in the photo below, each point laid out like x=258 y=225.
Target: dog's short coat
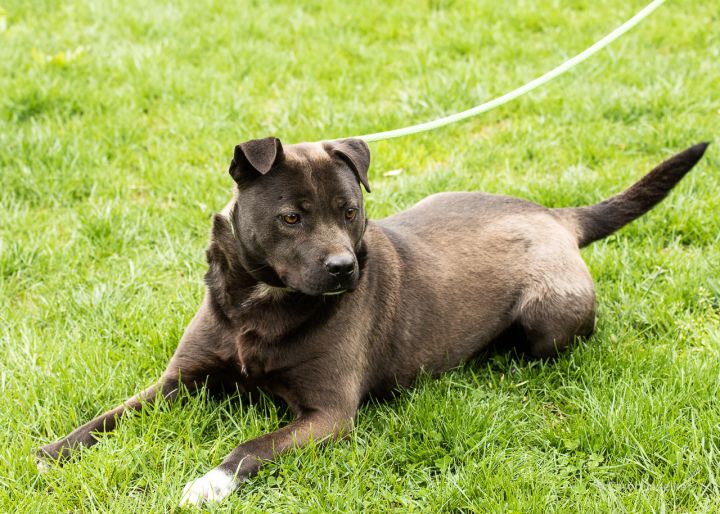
x=310 y=302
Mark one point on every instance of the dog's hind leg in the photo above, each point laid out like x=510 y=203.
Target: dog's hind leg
x=557 y=309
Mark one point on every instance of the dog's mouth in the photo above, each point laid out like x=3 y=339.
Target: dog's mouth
x=337 y=289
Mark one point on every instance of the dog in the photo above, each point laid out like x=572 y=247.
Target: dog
x=312 y=303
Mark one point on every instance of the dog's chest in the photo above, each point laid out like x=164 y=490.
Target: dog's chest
x=259 y=360
x=266 y=368
x=262 y=342
x=252 y=363
x=253 y=357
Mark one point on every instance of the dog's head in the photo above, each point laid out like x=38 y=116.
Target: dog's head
x=300 y=216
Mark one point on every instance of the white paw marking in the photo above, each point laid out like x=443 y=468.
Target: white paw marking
x=211 y=487
x=42 y=465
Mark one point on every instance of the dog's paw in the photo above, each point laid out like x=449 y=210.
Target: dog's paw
x=211 y=487
x=43 y=466
x=45 y=457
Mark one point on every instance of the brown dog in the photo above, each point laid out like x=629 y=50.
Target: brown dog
x=309 y=301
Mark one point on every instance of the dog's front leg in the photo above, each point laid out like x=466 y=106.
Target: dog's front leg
x=192 y=365
x=245 y=460
x=83 y=436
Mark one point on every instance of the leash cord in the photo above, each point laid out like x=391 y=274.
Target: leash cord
x=507 y=97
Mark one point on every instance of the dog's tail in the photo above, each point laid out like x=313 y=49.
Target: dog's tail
x=602 y=219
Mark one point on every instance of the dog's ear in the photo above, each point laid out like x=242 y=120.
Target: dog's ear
x=255 y=156
x=355 y=153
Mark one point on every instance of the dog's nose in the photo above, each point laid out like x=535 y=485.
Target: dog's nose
x=340 y=265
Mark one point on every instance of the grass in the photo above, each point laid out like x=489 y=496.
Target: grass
x=117 y=121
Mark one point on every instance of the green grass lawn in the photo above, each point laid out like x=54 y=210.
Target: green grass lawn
x=117 y=123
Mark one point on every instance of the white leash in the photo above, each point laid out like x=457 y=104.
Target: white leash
x=507 y=97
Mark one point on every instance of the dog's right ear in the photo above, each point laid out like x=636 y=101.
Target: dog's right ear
x=255 y=156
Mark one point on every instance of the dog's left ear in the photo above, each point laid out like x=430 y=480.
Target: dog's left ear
x=255 y=156
x=355 y=153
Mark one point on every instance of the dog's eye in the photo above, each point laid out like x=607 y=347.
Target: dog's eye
x=291 y=218
x=350 y=213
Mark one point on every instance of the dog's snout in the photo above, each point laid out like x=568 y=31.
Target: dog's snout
x=340 y=265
